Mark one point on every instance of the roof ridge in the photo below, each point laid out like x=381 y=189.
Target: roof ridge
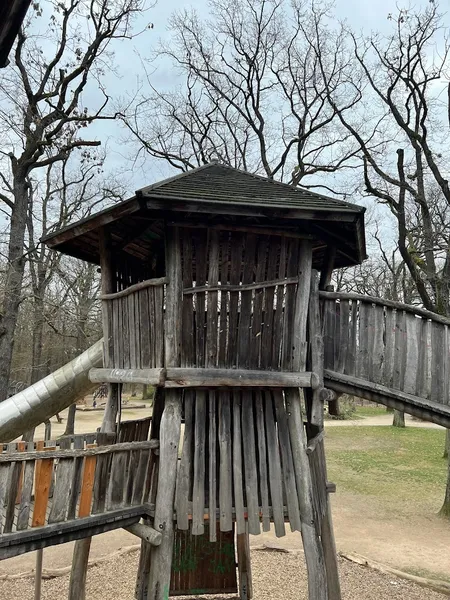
x=267 y=180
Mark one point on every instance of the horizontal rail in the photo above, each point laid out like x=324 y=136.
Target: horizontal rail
x=243 y=287
x=209 y=377
x=413 y=405
x=409 y=308
x=73 y=453
x=137 y=287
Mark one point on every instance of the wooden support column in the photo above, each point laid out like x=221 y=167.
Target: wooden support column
x=244 y=565
x=161 y=556
x=108 y=287
x=317 y=582
x=77 y=585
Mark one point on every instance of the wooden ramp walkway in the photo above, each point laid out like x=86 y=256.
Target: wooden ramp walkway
x=391 y=353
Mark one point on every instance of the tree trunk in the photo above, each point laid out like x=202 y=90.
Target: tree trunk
x=70 y=425
x=14 y=279
x=447 y=444
x=399 y=419
x=445 y=510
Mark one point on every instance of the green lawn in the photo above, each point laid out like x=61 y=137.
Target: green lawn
x=402 y=469
x=370 y=411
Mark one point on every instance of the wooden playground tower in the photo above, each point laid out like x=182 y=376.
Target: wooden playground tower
x=211 y=292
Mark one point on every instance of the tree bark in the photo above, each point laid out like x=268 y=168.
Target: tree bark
x=445 y=509
x=447 y=444
x=399 y=419
x=14 y=278
x=70 y=424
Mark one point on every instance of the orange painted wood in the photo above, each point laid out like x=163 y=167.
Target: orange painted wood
x=39 y=446
x=87 y=484
x=42 y=490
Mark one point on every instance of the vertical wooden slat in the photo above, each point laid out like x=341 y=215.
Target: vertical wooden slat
x=212 y=466
x=378 y=345
x=183 y=487
x=235 y=274
x=398 y=377
x=188 y=332
x=159 y=326
x=350 y=363
x=279 y=310
x=223 y=321
x=23 y=517
x=248 y=268
x=289 y=307
x=437 y=362
x=422 y=361
x=344 y=332
x=132 y=330
x=262 y=458
x=257 y=316
x=87 y=486
x=329 y=323
x=276 y=492
x=250 y=463
x=238 y=471
x=198 y=493
x=61 y=494
x=225 y=474
x=363 y=361
x=213 y=317
x=4 y=477
x=125 y=333
x=412 y=354
x=42 y=490
x=287 y=463
x=144 y=328
x=269 y=308
x=116 y=483
x=389 y=343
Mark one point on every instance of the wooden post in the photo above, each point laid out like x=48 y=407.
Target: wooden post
x=317 y=582
x=161 y=556
x=108 y=287
x=77 y=585
x=244 y=565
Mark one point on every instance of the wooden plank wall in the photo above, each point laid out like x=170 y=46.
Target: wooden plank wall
x=388 y=346
x=41 y=485
x=236 y=462
x=136 y=320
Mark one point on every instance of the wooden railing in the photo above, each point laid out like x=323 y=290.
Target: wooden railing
x=50 y=486
x=388 y=343
x=135 y=335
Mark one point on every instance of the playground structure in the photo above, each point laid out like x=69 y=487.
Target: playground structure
x=211 y=292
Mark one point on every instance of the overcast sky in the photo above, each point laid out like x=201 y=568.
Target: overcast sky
x=360 y=14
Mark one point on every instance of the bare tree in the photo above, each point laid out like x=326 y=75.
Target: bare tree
x=399 y=123
x=253 y=93
x=43 y=119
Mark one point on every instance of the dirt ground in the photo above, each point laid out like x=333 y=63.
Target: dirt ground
x=420 y=547
x=276 y=576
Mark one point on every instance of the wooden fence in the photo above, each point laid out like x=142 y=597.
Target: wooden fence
x=395 y=345
x=136 y=325
x=47 y=486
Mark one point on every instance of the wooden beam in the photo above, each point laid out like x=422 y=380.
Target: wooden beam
x=241 y=287
x=212 y=377
x=145 y=376
x=146 y=533
x=327 y=268
x=413 y=405
x=14 y=544
x=142 y=285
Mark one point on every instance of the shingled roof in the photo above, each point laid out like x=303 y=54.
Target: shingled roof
x=217 y=183
x=211 y=195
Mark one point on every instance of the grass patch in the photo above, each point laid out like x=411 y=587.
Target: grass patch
x=370 y=411
x=396 y=465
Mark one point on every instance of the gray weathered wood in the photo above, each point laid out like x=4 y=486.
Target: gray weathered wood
x=262 y=458
x=287 y=462
x=137 y=287
x=77 y=584
x=183 y=487
x=207 y=377
x=276 y=492
x=23 y=516
x=198 y=493
x=412 y=353
x=146 y=533
x=238 y=470
x=212 y=466
x=250 y=464
x=225 y=473
x=145 y=376
x=61 y=493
